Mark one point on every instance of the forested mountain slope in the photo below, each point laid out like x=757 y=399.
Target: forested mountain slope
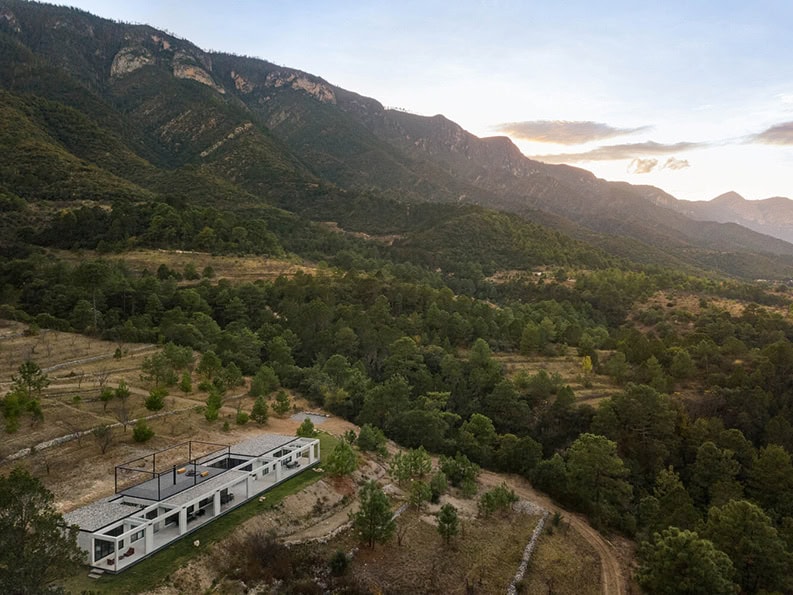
x=425 y=314
x=127 y=112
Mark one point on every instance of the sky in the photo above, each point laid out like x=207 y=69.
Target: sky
x=694 y=96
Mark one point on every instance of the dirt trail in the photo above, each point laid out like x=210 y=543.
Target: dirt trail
x=612 y=577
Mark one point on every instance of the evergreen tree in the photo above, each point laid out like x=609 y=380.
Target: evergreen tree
x=448 y=522
x=597 y=479
x=156 y=399
x=35 y=549
x=306 y=429
x=374 y=520
x=682 y=563
x=260 y=412
x=282 y=404
x=745 y=533
x=343 y=460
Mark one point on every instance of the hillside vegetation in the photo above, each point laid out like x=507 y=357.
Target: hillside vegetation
x=578 y=336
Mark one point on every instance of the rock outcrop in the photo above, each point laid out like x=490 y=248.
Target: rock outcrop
x=186 y=66
x=130 y=59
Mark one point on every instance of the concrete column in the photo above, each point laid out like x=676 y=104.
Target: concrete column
x=216 y=504
x=311 y=454
x=116 y=554
x=249 y=487
x=183 y=521
x=149 y=538
x=278 y=471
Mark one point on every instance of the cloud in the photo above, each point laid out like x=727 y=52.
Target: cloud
x=617 y=152
x=675 y=163
x=642 y=166
x=563 y=131
x=780 y=134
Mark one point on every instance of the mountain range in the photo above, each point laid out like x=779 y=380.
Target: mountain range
x=97 y=110
x=771 y=216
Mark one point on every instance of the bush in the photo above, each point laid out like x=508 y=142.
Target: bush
x=242 y=418
x=339 y=563
x=500 y=498
x=257 y=557
x=142 y=432
x=186 y=383
x=156 y=399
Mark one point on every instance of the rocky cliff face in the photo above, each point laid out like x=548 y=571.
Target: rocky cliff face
x=130 y=59
x=195 y=67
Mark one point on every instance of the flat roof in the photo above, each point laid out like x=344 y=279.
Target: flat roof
x=259 y=445
x=167 y=484
x=101 y=513
x=208 y=485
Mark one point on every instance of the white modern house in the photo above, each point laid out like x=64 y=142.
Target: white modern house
x=157 y=503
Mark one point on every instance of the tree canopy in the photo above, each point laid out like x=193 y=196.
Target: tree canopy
x=35 y=546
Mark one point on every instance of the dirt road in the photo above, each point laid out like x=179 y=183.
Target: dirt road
x=612 y=577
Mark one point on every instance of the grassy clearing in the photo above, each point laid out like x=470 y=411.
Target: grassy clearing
x=234 y=268
x=562 y=564
x=568 y=366
x=152 y=571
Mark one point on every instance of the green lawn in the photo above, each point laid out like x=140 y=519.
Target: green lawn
x=148 y=573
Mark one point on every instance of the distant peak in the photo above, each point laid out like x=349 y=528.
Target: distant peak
x=729 y=197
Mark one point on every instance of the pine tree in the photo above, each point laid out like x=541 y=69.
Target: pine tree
x=374 y=520
x=35 y=549
x=260 y=412
x=448 y=522
x=282 y=403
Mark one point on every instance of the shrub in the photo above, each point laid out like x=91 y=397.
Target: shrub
x=156 y=399
x=339 y=562
x=142 y=432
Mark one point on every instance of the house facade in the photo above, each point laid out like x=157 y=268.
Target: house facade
x=160 y=506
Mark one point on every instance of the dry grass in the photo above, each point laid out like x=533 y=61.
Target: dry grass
x=77 y=366
x=237 y=269
x=563 y=564
x=485 y=555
